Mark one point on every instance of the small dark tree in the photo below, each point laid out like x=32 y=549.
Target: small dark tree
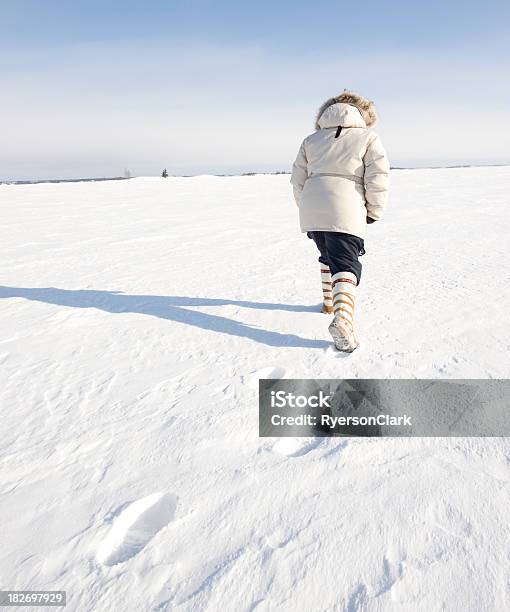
x=164 y=174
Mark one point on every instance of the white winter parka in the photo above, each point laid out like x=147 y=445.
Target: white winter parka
x=340 y=177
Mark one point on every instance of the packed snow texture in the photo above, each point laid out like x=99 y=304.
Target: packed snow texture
x=136 y=320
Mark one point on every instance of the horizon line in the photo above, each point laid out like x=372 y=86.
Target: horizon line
x=275 y=173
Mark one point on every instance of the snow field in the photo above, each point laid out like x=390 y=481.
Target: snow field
x=136 y=318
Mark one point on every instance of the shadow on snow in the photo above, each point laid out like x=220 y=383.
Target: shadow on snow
x=171 y=308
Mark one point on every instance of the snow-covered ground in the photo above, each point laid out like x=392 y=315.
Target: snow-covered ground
x=136 y=319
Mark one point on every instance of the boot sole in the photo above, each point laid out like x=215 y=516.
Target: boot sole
x=341 y=342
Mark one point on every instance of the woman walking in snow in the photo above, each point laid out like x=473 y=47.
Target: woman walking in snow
x=340 y=181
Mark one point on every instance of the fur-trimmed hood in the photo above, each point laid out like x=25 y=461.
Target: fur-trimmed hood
x=342 y=114
x=366 y=111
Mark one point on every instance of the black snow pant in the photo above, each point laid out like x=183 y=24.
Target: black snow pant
x=339 y=251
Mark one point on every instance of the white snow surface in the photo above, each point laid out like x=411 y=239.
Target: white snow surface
x=136 y=319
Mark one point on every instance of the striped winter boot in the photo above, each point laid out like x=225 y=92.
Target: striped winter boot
x=344 y=298
x=327 y=306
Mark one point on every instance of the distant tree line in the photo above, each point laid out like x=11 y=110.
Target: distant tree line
x=165 y=174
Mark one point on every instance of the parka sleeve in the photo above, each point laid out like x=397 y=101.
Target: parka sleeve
x=377 y=171
x=299 y=173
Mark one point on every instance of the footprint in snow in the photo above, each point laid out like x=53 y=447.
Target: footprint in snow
x=296 y=447
x=269 y=372
x=138 y=523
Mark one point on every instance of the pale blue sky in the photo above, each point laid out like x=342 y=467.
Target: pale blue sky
x=91 y=87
